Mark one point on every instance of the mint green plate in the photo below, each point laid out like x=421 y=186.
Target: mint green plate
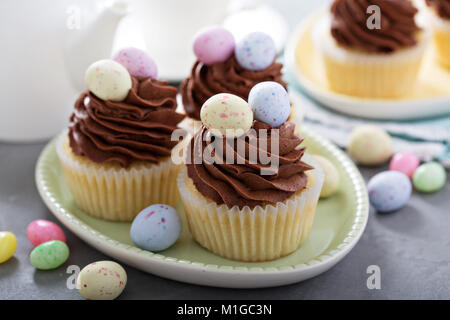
x=338 y=225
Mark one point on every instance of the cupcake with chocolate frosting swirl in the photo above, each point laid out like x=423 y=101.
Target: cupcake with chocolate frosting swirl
x=439 y=18
x=116 y=155
x=223 y=66
x=235 y=188
x=371 y=48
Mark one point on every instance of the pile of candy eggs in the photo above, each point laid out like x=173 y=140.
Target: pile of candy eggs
x=391 y=190
x=255 y=52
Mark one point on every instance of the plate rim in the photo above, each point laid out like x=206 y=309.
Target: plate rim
x=249 y=275
x=330 y=99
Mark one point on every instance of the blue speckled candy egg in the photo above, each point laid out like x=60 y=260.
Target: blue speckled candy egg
x=156 y=228
x=389 y=190
x=270 y=103
x=256 y=51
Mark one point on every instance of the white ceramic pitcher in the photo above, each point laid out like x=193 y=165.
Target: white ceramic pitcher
x=46 y=47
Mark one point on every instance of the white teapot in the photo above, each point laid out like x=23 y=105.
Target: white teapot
x=46 y=47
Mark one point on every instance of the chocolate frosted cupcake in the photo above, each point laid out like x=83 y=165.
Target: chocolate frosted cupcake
x=226 y=67
x=439 y=17
x=116 y=156
x=375 y=55
x=247 y=209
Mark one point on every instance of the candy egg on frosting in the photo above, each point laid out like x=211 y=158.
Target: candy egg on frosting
x=214 y=44
x=108 y=80
x=137 y=62
x=101 y=280
x=227 y=115
x=156 y=228
x=270 y=103
x=256 y=51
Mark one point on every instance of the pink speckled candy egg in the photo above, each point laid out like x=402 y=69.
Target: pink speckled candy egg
x=213 y=44
x=227 y=115
x=137 y=62
x=405 y=162
x=101 y=280
x=256 y=51
x=40 y=231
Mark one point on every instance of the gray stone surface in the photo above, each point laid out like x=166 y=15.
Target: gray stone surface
x=411 y=246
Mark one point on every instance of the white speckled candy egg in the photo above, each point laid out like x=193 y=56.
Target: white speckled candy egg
x=369 y=145
x=270 y=103
x=156 y=228
x=332 y=178
x=256 y=51
x=227 y=115
x=108 y=80
x=389 y=190
x=213 y=44
x=137 y=62
x=101 y=280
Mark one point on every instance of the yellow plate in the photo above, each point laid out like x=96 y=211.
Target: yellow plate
x=431 y=96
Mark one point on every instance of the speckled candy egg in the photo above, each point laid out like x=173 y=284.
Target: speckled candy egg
x=108 y=80
x=332 y=178
x=137 y=62
x=369 y=145
x=389 y=190
x=8 y=245
x=405 y=162
x=270 y=103
x=101 y=280
x=49 y=255
x=213 y=44
x=227 y=115
x=156 y=228
x=256 y=51
x=429 y=177
x=40 y=231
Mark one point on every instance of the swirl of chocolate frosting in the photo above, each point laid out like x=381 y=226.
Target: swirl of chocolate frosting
x=398 y=27
x=138 y=128
x=224 y=77
x=441 y=7
x=242 y=184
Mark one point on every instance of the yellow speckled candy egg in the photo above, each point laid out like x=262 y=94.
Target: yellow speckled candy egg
x=331 y=182
x=227 y=115
x=101 y=280
x=8 y=245
x=108 y=80
x=370 y=145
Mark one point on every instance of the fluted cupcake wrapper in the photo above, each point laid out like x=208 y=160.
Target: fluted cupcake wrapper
x=441 y=35
x=259 y=234
x=115 y=193
x=369 y=75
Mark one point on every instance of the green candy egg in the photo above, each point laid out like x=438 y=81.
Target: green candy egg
x=49 y=255
x=429 y=177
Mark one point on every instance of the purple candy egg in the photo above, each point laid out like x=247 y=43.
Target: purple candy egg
x=137 y=62
x=256 y=51
x=389 y=190
x=213 y=45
